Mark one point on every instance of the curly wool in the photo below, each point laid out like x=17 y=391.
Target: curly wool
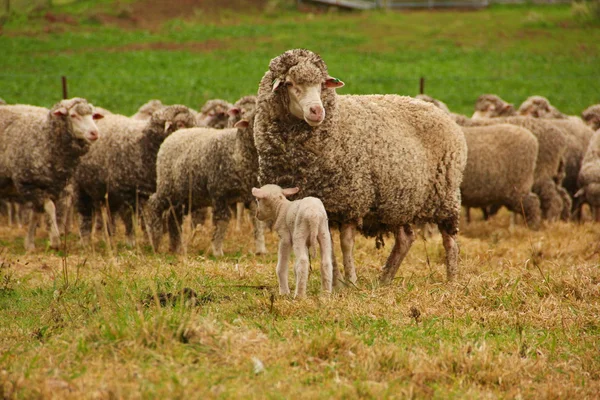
x=212 y=167
x=38 y=152
x=122 y=164
x=500 y=170
x=366 y=164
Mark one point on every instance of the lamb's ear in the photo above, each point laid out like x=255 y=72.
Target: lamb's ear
x=276 y=83
x=259 y=194
x=332 y=82
x=233 y=111
x=167 y=125
x=97 y=115
x=290 y=191
x=242 y=124
x=61 y=111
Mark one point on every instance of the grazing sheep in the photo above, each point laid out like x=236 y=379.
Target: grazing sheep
x=213 y=114
x=491 y=106
x=589 y=176
x=300 y=224
x=500 y=170
x=204 y=167
x=145 y=112
x=550 y=165
x=38 y=154
x=591 y=116
x=121 y=168
x=379 y=163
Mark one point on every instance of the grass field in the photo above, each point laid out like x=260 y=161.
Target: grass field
x=110 y=322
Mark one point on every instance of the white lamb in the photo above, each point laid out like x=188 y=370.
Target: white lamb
x=300 y=224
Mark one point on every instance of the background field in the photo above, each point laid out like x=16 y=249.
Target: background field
x=108 y=322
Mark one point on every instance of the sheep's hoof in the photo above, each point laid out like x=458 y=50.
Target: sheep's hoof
x=261 y=251
x=29 y=247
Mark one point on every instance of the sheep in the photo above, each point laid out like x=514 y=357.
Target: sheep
x=578 y=136
x=38 y=154
x=204 y=167
x=491 y=106
x=591 y=116
x=239 y=110
x=300 y=224
x=213 y=114
x=377 y=162
x=500 y=170
x=589 y=176
x=121 y=169
x=145 y=111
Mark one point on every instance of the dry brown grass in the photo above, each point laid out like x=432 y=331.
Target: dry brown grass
x=521 y=321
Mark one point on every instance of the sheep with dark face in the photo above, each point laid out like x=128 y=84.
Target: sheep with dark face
x=39 y=151
x=539 y=107
x=379 y=163
x=491 y=106
x=121 y=168
x=204 y=167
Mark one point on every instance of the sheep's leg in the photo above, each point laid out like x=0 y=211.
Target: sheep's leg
x=404 y=238
x=324 y=239
x=301 y=266
x=337 y=275
x=347 y=233
x=239 y=217
x=550 y=199
x=87 y=216
x=127 y=215
x=567 y=203
x=449 y=230
x=17 y=214
x=50 y=210
x=529 y=206
x=9 y=212
x=221 y=217
x=259 y=230
x=30 y=238
x=153 y=218
x=596 y=212
x=283 y=260
x=174 y=224
x=199 y=216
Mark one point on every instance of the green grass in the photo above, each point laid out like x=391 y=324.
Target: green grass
x=512 y=51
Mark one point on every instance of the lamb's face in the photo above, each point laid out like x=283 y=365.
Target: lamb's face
x=490 y=106
x=81 y=117
x=304 y=83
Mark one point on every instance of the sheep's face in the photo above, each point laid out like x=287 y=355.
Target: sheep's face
x=305 y=94
x=81 y=117
x=592 y=117
x=537 y=107
x=490 y=106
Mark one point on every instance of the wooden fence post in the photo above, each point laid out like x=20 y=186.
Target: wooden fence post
x=64 y=86
x=422 y=85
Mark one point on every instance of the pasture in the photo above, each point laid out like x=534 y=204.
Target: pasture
x=108 y=321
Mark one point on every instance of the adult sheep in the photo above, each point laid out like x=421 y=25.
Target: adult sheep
x=39 y=151
x=589 y=176
x=379 y=162
x=204 y=167
x=121 y=168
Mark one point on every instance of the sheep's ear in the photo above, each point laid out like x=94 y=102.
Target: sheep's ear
x=332 y=82
x=290 y=191
x=507 y=108
x=276 y=83
x=167 y=125
x=579 y=193
x=61 y=111
x=233 y=111
x=242 y=124
x=97 y=115
x=258 y=193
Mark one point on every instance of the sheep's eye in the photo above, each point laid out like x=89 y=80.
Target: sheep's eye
x=289 y=84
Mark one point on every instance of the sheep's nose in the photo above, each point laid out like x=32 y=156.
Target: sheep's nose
x=316 y=111
x=93 y=135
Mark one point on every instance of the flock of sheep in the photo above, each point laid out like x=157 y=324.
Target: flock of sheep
x=378 y=164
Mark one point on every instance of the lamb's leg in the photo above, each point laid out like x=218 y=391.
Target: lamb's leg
x=449 y=230
x=50 y=210
x=30 y=238
x=259 y=230
x=347 y=233
x=301 y=266
x=404 y=238
x=239 y=217
x=221 y=217
x=283 y=260
x=324 y=239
